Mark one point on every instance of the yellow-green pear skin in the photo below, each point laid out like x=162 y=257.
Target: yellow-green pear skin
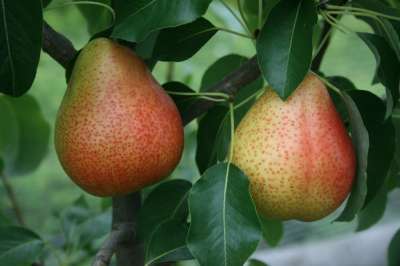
x=297 y=153
x=117 y=130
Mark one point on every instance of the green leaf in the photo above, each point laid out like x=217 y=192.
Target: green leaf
x=381 y=140
x=388 y=67
x=393 y=251
x=4 y=220
x=167 y=201
x=251 y=6
x=224 y=66
x=183 y=102
x=25 y=135
x=45 y=3
x=94 y=228
x=284 y=47
x=254 y=262
x=360 y=139
x=21 y=27
x=167 y=238
x=19 y=246
x=373 y=212
x=387 y=28
x=224 y=227
x=182 y=42
x=98 y=18
x=148 y=15
x=272 y=231
x=179 y=254
x=207 y=135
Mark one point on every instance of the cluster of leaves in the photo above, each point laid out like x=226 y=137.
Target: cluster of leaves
x=214 y=220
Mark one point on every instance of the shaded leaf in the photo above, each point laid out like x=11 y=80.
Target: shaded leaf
x=388 y=68
x=183 y=102
x=381 y=140
x=228 y=231
x=179 y=254
x=272 y=231
x=360 y=139
x=254 y=262
x=393 y=251
x=21 y=27
x=373 y=212
x=26 y=134
x=168 y=200
x=98 y=18
x=389 y=29
x=207 y=133
x=148 y=15
x=19 y=246
x=224 y=66
x=182 y=42
x=284 y=47
x=167 y=238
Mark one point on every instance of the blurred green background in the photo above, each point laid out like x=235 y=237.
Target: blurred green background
x=48 y=190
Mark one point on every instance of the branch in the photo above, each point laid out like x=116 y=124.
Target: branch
x=118 y=234
x=57 y=46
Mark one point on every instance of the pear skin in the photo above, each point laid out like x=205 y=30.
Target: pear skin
x=117 y=130
x=297 y=153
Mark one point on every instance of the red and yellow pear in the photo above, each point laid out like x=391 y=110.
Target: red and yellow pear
x=117 y=130
x=297 y=153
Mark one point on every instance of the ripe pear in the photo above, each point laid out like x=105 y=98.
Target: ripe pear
x=117 y=130
x=297 y=153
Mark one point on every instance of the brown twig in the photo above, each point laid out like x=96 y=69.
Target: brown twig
x=13 y=199
x=57 y=46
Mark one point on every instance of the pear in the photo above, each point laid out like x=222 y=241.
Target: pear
x=116 y=130
x=297 y=153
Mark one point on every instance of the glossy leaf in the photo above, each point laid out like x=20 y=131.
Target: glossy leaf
x=393 y=251
x=254 y=262
x=167 y=238
x=207 y=133
x=182 y=42
x=284 y=47
x=167 y=201
x=4 y=220
x=387 y=28
x=272 y=231
x=374 y=211
x=183 y=102
x=179 y=254
x=26 y=134
x=98 y=18
x=19 y=246
x=224 y=66
x=148 y=15
x=360 y=139
x=388 y=68
x=21 y=27
x=381 y=139
x=227 y=231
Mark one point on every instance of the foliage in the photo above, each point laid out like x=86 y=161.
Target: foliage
x=212 y=220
